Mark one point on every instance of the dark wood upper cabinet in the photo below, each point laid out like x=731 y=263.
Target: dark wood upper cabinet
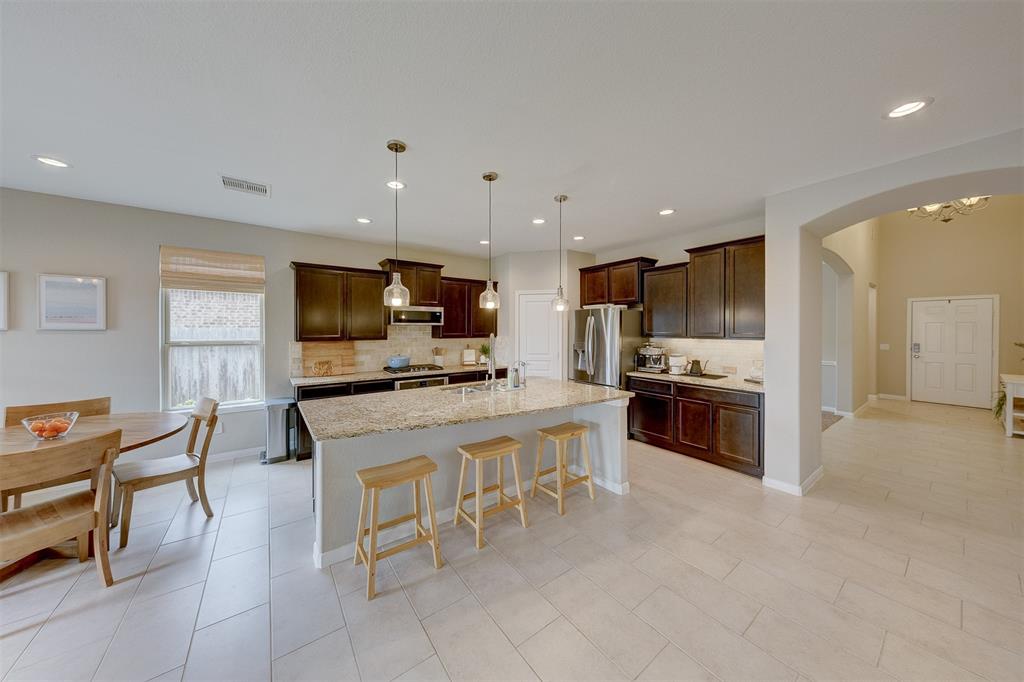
x=463 y=316
x=620 y=282
x=665 y=301
x=744 y=290
x=423 y=280
x=705 y=310
x=364 y=305
x=319 y=298
x=338 y=304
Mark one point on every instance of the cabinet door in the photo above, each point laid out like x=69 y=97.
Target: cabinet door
x=705 y=312
x=624 y=283
x=376 y=386
x=364 y=306
x=481 y=322
x=738 y=437
x=409 y=280
x=319 y=298
x=454 y=296
x=665 y=303
x=744 y=310
x=594 y=286
x=428 y=286
x=693 y=424
x=650 y=416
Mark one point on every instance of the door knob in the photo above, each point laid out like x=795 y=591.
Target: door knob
x=916 y=355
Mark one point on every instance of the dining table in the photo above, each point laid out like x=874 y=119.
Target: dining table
x=138 y=429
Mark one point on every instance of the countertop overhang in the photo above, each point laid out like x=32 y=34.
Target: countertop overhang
x=373 y=376
x=728 y=383
x=427 y=408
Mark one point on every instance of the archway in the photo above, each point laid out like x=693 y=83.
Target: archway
x=844 y=366
x=795 y=223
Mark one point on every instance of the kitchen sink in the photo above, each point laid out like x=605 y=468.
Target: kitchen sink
x=499 y=386
x=713 y=376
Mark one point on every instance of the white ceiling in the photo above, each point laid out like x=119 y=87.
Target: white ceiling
x=627 y=108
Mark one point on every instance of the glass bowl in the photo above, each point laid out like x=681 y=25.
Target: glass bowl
x=50 y=426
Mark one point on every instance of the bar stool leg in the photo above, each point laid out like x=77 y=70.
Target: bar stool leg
x=519 y=489
x=585 y=449
x=536 y=469
x=371 y=554
x=560 y=474
x=417 y=508
x=362 y=526
x=434 y=541
x=501 y=479
x=479 y=504
x=462 y=482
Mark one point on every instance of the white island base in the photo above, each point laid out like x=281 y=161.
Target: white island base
x=335 y=462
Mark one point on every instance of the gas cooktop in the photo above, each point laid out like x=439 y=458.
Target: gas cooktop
x=412 y=368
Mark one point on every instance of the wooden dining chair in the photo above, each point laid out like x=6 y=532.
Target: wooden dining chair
x=13 y=415
x=131 y=477
x=38 y=526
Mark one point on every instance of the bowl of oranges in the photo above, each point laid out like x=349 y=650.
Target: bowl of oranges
x=50 y=426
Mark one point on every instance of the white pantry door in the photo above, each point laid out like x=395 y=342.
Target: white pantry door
x=539 y=331
x=951 y=351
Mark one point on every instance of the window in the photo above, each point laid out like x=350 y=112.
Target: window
x=212 y=327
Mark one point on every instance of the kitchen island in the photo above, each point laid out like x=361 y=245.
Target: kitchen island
x=353 y=432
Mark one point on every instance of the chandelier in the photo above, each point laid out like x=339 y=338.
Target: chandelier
x=945 y=212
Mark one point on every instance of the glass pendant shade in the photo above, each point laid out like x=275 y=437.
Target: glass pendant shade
x=489 y=299
x=396 y=295
x=560 y=303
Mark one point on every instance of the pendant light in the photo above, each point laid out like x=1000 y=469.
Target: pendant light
x=396 y=295
x=489 y=299
x=560 y=303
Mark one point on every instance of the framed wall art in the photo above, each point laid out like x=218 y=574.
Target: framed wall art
x=72 y=302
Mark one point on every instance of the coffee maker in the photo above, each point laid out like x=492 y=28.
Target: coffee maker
x=650 y=358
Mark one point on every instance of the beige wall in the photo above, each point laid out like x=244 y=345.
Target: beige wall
x=976 y=254
x=40 y=233
x=858 y=246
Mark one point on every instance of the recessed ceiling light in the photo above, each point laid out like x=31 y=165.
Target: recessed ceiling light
x=396 y=184
x=364 y=221
x=538 y=221
x=666 y=211
x=484 y=242
x=910 y=108
x=50 y=161
x=578 y=238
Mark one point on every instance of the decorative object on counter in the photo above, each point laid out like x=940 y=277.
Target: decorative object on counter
x=485 y=353
x=396 y=294
x=677 y=364
x=469 y=356
x=326 y=358
x=438 y=356
x=398 y=361
x=696 y=369
x=4 y=279
x=560 y=303
x=489 y=299
x=72 y=302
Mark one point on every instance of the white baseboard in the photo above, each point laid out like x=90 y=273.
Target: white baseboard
x=872 y=396
x=830 y=410
x=617 y=488
x=798 y=490
x=843 y=413
x=890 y=396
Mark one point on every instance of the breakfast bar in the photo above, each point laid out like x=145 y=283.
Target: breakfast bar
x=354 y=432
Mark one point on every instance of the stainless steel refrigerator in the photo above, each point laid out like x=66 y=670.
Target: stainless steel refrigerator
x=604 y=344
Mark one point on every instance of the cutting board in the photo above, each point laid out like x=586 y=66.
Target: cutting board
x=327 y=358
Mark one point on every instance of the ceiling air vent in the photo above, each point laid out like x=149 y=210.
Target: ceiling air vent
x=245 y=186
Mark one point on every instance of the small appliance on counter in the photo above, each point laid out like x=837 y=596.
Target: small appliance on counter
x=650 y=358
x=676 y=364
x=696 y=369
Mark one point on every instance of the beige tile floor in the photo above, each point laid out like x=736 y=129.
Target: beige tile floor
x=905 y=562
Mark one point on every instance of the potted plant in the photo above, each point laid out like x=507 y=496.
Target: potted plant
x=485 y=352
x=1000 y=402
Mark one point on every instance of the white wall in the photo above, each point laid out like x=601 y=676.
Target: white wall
x=40 y=233
x=829 y=318
x=672 y=248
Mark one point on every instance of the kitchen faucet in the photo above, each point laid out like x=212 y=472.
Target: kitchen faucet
x=492 y=372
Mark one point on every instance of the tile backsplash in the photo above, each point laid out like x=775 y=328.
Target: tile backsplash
x=720 y=354
x=416 y=342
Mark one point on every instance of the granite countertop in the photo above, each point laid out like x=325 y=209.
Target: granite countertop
x=730 y=382
x=371 y=376
x=427 y=408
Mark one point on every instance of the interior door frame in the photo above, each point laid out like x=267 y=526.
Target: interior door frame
x=563 y=328
x=910 y=336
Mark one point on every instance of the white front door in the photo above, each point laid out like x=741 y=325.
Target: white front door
x=951 y=351
x=539 y=335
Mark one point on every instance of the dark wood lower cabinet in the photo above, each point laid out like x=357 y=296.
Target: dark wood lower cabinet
x=717 y=425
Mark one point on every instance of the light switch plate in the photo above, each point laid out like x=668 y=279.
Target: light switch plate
x=728 y=369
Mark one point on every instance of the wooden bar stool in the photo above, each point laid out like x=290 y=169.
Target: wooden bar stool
x=561 y=435
x=375 y=479
x=486 y=450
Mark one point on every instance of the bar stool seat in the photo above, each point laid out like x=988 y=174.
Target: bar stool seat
x=561 y=435
x=374 y=479
x=480 y=452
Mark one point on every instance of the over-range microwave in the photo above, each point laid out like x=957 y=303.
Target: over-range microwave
x=416 y=315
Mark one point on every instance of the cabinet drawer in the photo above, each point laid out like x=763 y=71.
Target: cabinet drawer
x=322 y=391
x=718 y=395
x=649 y=386
x=377 y=386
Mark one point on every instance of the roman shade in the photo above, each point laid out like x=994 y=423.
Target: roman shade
x=183 y=268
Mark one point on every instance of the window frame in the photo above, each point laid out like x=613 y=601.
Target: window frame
x=165 y=356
